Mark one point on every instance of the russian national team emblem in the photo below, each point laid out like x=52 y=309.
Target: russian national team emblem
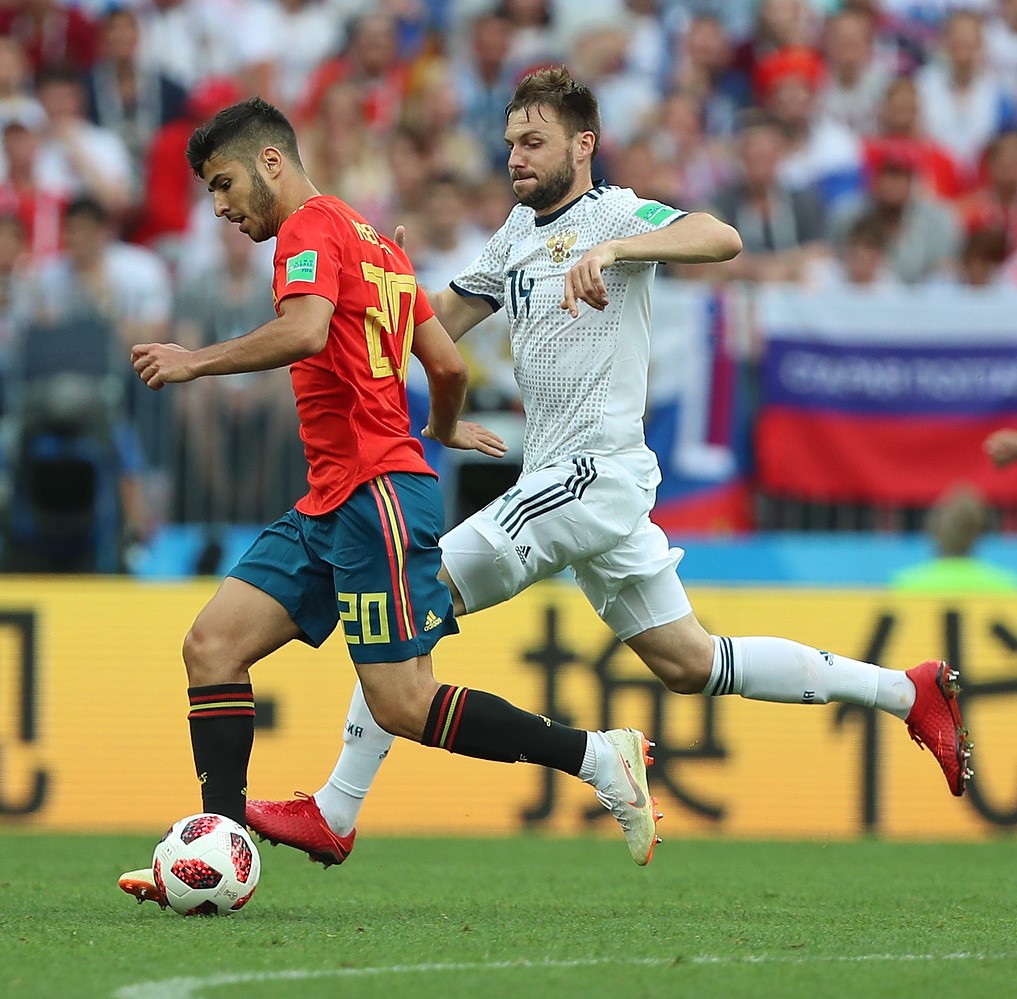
x=560 y=245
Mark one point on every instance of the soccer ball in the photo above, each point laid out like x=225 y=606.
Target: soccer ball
x=206 y=865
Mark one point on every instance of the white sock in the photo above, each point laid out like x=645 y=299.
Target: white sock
x=597 y=750
x=777 y=669
x=365 y=745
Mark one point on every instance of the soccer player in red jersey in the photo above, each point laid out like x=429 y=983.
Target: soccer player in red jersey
x=361 y=548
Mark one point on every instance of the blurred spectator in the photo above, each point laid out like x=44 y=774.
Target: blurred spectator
x=171 y=190
x=124 y=95
x=78 y=158
x=900 y=133
x=860 y=262
x=641 y=165
x=779 y=24
x=490 y=201
x=444 y=239
x=40 y=209
x=821 y=152
x=17 y=101
x=433 y=112
x=856 y=79
x=626 y=98
x=781 y=228
x=447 y=240
x=699 y=163
x=15 y=299
x=921 y=235
x=994 y=203
x=51 y=33
x=484 y=83
x=704 y=66
x=240 y=458
x=1001 y=44
x=537 y=38
x=962 y=104
x=303 y=33
x=99 y=277
x=347 y=158
x=191 y=41
x=410 y=169
x=955 y=523
x=981 y=260
x=372 y=63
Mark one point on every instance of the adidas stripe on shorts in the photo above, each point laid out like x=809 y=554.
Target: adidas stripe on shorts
x=587 y=513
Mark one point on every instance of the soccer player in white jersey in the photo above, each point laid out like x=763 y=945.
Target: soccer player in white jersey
x=572 y=265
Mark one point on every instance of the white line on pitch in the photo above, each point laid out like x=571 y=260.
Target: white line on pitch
x=191 y=988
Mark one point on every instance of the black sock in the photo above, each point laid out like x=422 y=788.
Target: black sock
x=475 y=723
x=222 y=734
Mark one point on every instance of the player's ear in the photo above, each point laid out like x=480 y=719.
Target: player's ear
x=586 y=142
x=272 y=160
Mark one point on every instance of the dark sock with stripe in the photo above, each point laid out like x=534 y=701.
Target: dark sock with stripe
x=222 y=734
x=475 y=723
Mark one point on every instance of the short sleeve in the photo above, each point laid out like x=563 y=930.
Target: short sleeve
x=634 y=216
x=485 y=277
x=422 y=310
x=307 y=257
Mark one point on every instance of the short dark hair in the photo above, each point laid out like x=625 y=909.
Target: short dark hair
x=87 y=207
x=553 y=87
x=242 y=130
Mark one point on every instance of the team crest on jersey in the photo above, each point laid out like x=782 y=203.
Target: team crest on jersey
x=560 y=245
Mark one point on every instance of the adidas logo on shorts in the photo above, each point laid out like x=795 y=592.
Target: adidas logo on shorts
x=522 y=551
x=431 y=621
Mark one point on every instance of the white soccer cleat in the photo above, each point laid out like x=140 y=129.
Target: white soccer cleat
x=627 y=796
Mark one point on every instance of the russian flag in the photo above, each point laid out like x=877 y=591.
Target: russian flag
x=885 y=397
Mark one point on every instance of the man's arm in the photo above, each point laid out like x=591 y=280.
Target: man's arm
x=447 y=378
x=300 y=331
x=697 y=238
x=459 y=313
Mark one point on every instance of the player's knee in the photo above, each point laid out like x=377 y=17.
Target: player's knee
x=209 y=659
x=400 y=712
x=684 y=678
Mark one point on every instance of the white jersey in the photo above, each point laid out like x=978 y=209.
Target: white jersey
x=582 y=381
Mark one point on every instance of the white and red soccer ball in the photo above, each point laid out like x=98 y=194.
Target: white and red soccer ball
x=206 y=865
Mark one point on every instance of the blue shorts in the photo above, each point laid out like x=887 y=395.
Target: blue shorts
x=371 y=564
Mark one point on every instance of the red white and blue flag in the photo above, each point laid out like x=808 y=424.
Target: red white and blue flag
x=885 y=397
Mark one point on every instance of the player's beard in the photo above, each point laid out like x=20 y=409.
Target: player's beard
x=553 y=188
x=263 y=209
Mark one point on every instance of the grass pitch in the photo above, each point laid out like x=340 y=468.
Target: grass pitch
x=528 y=917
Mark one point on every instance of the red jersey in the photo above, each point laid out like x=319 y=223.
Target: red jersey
x=351 y=397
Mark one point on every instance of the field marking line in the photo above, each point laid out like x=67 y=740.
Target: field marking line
x=191 y=988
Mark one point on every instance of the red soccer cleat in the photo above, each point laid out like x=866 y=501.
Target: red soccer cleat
x=144 y=886
x=299 y=824
x=935 y=721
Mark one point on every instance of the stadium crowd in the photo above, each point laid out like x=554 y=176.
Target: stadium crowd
x=851 y=143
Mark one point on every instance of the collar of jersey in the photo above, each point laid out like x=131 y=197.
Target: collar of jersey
x=598 y=185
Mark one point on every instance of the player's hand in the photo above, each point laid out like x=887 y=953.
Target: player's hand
x=584 y=281
x=469 y=436
x=1001 y=446
x=158 y=364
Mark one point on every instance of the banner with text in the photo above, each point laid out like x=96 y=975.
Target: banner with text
x=93 y=733
x=884 y=398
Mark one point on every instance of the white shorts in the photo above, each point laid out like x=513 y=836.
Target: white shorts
x=587 y=513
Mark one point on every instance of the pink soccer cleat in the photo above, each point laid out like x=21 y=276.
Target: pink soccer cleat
x=935 y=721
x=299 y=823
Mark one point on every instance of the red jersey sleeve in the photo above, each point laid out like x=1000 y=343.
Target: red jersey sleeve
x=308 y=260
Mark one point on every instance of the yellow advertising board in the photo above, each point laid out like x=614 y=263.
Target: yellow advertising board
x=93 y=733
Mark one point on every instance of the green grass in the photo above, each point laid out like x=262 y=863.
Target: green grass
x=528 y=917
